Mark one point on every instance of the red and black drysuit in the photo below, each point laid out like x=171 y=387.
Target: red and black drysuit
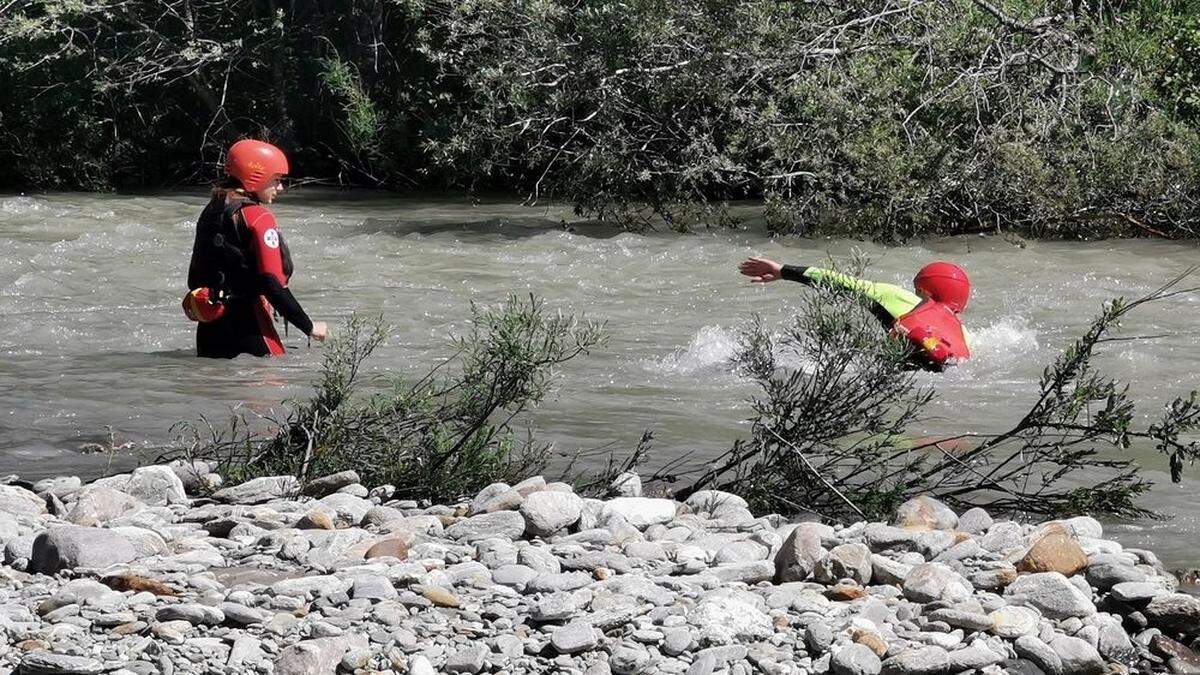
x=240 y=253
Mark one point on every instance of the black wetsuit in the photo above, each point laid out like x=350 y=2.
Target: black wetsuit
x=228 y=256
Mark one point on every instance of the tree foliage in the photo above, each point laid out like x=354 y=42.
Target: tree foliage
x=886 y=118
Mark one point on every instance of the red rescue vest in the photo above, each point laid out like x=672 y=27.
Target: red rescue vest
x=934 y=329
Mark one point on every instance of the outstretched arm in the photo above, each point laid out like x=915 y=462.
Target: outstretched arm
x=892 y=300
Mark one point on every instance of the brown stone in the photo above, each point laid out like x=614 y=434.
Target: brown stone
x=1181 y=658
x=129 y=628
x=31 y=645
x=316 y=519
x=845 y=592
x=441 y=597
x=132 y=582
x=870 y=640
x=394 y=548
x=925 y=513
x=1054 y=551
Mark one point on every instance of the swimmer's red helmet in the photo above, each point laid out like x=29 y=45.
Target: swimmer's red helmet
x=255 y=163
x=946 y=283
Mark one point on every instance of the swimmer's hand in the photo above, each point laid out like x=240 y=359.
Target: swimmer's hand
x=761 y=270
x=320 y=331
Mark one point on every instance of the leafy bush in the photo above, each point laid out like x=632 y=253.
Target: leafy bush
x=443 y=435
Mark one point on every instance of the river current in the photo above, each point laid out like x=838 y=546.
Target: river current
x=92 y=335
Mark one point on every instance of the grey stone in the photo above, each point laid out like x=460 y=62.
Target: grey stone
x=380 y=515
x=627 y=484
x=1135 y=591
x=925 y=511
x=801 y=551
x=193 y=613
x=469 y=659
x=967 y=620
x=17 y=501
x=975 y=521
x=1003 y=536
x=818 y=637
x=259 y=490
x=420 y=665
x=345 y=509
x=733 y=612
x=530 y=485
x=1077 y=656
x=1013 y=622
x=99 y=504
x=547 y=512
x=241 y=615
x=372 y=587
x=554 y=607
x=506 y=524
x=563 y=581
x=976 y=656
x=1051 y=593
x=741 y=552
x=48 y=663
x=575 y=637
x=495 y=497
x=1106 y=575
x=1112 y=641
x=748 y=572
x=629 y=658
x=641 y=512
x=515 y=576
x=71 y=547
x=928 y=582
x=645 y=550
x=920 y=661
x=1041 y=654
x=327 y=485
x=539 y=559
x=676 y=641
x=884 y=570
x=847 y=561
x=496 y=553
x=153 y=485
x=855 y=659
x=1175 y=612
x=319 y=656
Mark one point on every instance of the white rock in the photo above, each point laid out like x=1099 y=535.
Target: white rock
x=641 y=512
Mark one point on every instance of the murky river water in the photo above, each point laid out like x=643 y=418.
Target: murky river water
x=91 y=333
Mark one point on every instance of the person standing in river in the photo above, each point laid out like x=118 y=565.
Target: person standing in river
x=240 y=264
x=928 y=319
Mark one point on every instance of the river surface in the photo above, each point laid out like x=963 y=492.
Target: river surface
x=92 y=335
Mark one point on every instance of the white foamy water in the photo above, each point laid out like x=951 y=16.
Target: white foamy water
x=92 y=333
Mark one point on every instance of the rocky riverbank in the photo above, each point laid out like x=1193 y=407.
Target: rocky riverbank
x=138 y=574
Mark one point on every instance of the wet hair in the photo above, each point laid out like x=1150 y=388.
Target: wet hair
x=223 y=187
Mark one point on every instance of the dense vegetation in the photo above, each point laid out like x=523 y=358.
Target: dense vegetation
x=885 y=118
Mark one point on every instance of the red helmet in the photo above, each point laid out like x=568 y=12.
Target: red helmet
x=255 y=163
x=944 y=282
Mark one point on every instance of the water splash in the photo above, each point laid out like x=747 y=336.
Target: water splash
x=711 y=349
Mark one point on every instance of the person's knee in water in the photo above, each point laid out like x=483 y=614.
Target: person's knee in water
x=240 y=264
x=928 y=318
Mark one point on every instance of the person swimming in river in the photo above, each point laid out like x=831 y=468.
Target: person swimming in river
x=928 y=319
x=240 y=265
